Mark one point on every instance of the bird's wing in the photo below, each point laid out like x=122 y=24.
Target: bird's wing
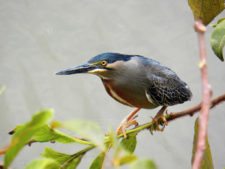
x=166 y=89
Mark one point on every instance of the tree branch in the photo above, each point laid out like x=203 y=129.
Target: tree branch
x=205 y=106
x=176 y=115
x=191 y=111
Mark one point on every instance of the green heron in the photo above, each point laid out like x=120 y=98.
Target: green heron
x=135 y=81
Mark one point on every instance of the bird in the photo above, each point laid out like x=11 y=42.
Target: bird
x=135 y=81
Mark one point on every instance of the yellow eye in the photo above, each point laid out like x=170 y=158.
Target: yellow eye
x=104 y=63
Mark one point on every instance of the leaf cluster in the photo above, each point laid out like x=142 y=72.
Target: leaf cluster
x=206 y=11
x=42 y=128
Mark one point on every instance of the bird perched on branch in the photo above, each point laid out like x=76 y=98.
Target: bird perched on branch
x=135 y=81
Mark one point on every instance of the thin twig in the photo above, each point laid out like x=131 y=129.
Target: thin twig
x=191 y=111
x=205 y=106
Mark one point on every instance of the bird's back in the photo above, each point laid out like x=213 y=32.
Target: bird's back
x=165 y=87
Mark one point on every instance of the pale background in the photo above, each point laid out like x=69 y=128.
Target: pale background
x=38 y=38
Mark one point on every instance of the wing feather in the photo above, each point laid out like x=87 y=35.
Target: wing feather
x=167 y=90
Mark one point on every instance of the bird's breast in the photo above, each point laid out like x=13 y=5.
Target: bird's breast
x=133 y=97
x=115 y=92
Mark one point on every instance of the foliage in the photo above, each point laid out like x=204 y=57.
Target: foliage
x=129 y=143
x=46 y=133
x=63 y=160
x=206 y=10
x=24 y=133
x=98 y=161
x=86 y=129
x=41 y=128
x=2 y=89
x=43 y=164
x=144 y=164
x=218 y=38
x=207 y=162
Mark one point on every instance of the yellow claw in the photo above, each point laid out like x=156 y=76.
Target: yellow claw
x=157 y=122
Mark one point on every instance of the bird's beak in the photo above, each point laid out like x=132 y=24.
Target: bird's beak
x=85 y=68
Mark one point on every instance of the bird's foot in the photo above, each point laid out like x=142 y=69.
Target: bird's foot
x=126 y=124
x=159 y=122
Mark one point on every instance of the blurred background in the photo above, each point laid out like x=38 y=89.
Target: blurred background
x=38 y=38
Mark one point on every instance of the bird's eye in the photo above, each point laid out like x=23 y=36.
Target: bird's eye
x=104 y=63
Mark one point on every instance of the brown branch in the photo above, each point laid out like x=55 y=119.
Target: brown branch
x=205 y=106
x=173 y=116
x=195 y=109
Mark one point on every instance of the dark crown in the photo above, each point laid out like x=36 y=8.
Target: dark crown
x=110 y=57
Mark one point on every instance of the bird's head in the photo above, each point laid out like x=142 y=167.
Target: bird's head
x=104 y=65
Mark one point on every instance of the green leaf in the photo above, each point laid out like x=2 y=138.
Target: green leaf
x=124 y=151
x=218 y=39
x=207 y=162
x=44 y=163
x=66 y=161
x=98 y=161
x=46 y=134
x=24 y=133
x=126 y=159
x=2 y=89
x=129 y=143
x=143 y=164
x=206 y=10
x=220 y=20
x=88 y=130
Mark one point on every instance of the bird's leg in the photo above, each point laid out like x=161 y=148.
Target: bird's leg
x=127 y=122
x=159 y=119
